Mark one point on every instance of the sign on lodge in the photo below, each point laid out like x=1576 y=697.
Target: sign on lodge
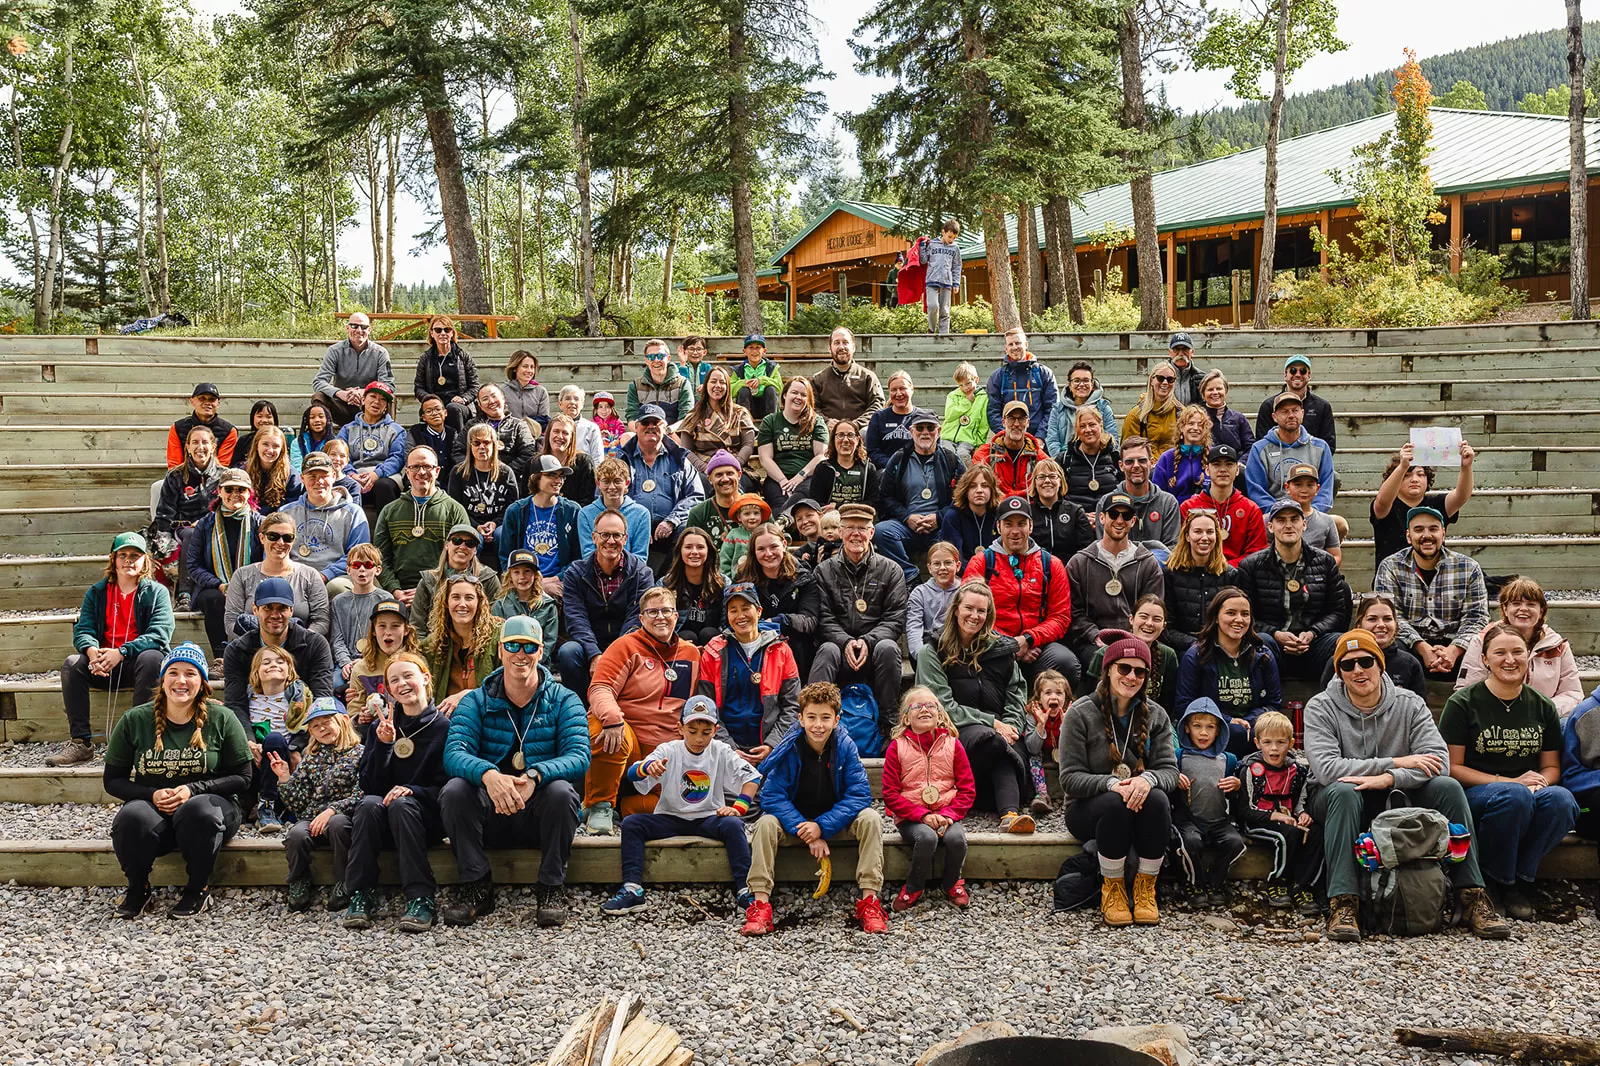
x=860 y=239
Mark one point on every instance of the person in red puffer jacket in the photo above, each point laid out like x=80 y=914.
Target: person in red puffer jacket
x=1031 y=597
x=928 y=788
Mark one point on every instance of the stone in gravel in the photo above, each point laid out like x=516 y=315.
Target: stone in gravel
x=1220 y=923
x=981 y=1031
x=1166 y=1043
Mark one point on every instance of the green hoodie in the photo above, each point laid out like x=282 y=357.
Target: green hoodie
x=152 y=617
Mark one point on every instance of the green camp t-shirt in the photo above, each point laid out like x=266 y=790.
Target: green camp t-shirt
x=791 y=446
x=1501 y=740
x=133 y=744
x=1234 y=692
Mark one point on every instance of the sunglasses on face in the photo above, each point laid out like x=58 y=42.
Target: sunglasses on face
x=522 y=647
x=1164 y=379
x=275 y=537
x=463 y=542
x=362 y=566
x=360 y=325
x=1132 y=670
x=443 y=329
x=1357 y=662
x=234 y=490
x=1298 y=371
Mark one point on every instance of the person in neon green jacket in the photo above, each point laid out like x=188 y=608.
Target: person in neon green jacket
x=757 y=381
x=966 y=418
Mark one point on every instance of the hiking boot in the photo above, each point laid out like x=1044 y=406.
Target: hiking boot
x=418 y=917
x=1197 y=897
x=183 y=602
x=1278 y=896
x=601 y=820
x=267 y=821
x=358 y=915
x=1515 y=902
x=1114 y=902
x=192 y=902
x=629 y=898
x=338 y=897
x=757 y=919
x=134 y=901
x=1477 y=908
x=72 y=753
x=1306 y=905
x=550 y=910
x=869 y=913
x=1343 y=926
x=1218 y=897
x=905 y=899
x=1145 y=911
x=958 y=894
x=299 y=895
x=1041 y=803
x=1016 y=823
x=476 y=900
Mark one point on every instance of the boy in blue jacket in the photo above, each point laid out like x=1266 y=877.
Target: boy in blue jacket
x=813 y=789
x=1211 y=843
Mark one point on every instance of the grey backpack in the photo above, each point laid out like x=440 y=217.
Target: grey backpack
x=1406 y=894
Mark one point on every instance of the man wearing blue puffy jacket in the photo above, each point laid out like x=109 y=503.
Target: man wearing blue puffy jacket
x=1021 y=377
x=517 y=752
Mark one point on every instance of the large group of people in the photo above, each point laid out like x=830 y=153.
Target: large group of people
x=515 y=621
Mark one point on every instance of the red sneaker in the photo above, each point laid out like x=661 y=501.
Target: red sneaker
x=905 y=899
x=958 y=895
x=869 y=912
x=757 y=919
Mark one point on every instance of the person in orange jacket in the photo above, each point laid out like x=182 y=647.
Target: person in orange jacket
x=1012 y=452
x=636 y=694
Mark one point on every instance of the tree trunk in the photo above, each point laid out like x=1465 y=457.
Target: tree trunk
x=27 y=208
x=580 y=143
x=1269 y=219
x=744 y=241
x=44 y=297
x=1027 y=262
x=1552 y=1047
x=672 y=251
x=1152 y=286
x=1578 y=176
x=369 y=148
x=331 y=228
x=486 y=216
x=538 y=240
x=163 y=272
x=391 y=140
x=303 y=251
x=997 y=251
x=517 y=247
x=454 y=204
x=1071 y=283
x=142 y=251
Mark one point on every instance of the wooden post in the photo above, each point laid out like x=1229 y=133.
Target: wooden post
x=1172 y=276
x=794 y=281
x=1233 y=277
x=1457 y=227
x=843 y=278
x=1325 y=224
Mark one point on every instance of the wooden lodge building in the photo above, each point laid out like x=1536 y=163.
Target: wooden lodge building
x=1501 y=178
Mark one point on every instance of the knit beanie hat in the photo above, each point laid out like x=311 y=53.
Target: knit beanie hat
x=723 y=458
x=1359 y=640
x=187 y=652
x=1123 y=645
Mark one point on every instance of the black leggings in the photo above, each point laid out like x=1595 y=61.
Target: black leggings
x=997 y=770
x=1107 y=820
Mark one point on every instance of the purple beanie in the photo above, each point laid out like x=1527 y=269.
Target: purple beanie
x=723 y=458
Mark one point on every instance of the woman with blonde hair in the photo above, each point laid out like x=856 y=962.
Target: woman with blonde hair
x=1155 y=416
x=1552 y=670
x=485 y=486
x=178 y=764
x=1182 y=470
x=1060 y=526
x=928 y=788
x=445 y=371
x=462 y=649
x=326 y=782
x=272 y=476
x=1091 y=461
x=460 y=555
x=561 y=440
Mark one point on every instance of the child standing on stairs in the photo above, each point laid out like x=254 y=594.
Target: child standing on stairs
x=1051 y=694
x=321 y=795
x=928 y=788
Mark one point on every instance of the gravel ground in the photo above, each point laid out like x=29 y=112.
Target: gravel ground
x=21 y=755
x=261 y=986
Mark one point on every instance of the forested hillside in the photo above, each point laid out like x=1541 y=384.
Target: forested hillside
x=1505 y=71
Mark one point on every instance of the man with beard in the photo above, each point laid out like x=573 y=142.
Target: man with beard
x=845 y=388
x=1439 y=594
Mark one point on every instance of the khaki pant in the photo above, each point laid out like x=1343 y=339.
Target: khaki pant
x=867 y=829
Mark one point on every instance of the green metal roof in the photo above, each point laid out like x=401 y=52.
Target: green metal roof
x=764 y=272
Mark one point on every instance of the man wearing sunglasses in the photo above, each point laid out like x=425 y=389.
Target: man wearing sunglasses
x=348 y=366
x=863 y=614
x=1156 y=520
x=1318 y=419
x=1364 y=736
x=600 y=599
x=1300 y=599
x=517 y=751
x=1109 y=577
x=1266 y=472
x=661 y=384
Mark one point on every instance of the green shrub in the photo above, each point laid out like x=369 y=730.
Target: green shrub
x=859 y=316
x=1113 y=311
x=976 y=314
x=1379 y=294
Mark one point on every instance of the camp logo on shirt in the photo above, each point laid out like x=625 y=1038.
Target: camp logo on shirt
x=1520 y=742
x=696 y=786
x=171 y=763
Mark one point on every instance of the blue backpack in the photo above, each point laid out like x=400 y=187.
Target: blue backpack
x=858 y=715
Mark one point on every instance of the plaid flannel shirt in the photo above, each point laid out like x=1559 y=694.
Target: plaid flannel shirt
x=1454 y=607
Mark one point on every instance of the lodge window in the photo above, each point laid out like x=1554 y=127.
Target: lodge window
x=1293 y=250
x=1205 y=272
x=1532 y=235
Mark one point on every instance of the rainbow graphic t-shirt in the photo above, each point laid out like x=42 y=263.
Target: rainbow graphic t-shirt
x=694 y=786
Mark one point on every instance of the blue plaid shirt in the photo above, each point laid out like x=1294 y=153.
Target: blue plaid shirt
x=1455 y=607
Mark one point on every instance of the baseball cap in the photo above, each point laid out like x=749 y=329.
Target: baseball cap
x=379 y=386
x=521 y=628
x=1293 y=359
x=923 y=417
x=205 y=388
x=755 y=338
x=549 y=464
x=1116 y=500
x=1300 y=470
x=651 y=412
x=1014 y=505
x=741 y=590
x=323 y=707
x=1015 y=405
x=1280 y=506
x=699 y=709
x=466 y=530
x=1222 y=453
x=1180 y=339
x=1286 y=397
x=318 y=461
x=274 y=590
x=233 y=477
x=603 y=395
x=130 y=540
x=522 y=557
x=1415 y=511
x=804 y=503
x=389 y=607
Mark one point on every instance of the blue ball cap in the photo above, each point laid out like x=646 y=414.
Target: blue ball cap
x=651 y=412
x=755 y=338
x=323 y=707
x=1280 y=506
x=274 y=590
x=699 y=709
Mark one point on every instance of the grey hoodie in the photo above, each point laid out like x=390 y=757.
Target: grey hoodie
x=1341 y=741
x=330 y=532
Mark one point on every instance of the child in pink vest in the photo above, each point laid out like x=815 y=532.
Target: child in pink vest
x=928 y=789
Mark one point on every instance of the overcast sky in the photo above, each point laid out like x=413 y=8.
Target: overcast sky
x=1376 y=31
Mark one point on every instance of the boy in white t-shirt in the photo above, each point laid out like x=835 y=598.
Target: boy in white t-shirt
x=696 y=775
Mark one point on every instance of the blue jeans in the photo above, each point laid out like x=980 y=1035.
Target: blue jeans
x=637 y=829
x=1518 y=827
x=572 y=663
x=895 y=540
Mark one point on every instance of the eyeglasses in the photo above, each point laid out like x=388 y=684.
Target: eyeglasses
x=421 y=469
x=922 y=705
x=522 y=647
x=613 y=481
x=363 y=566
x=1165 y=379
x=274 y=538
x=1357 y=662
x=659 y=612
x=610 y=536
x=463 y=542
x=1132 y=670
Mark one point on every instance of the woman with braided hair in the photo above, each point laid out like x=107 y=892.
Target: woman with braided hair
x=1117 y=765
x=177 y=764
x=463 y=643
